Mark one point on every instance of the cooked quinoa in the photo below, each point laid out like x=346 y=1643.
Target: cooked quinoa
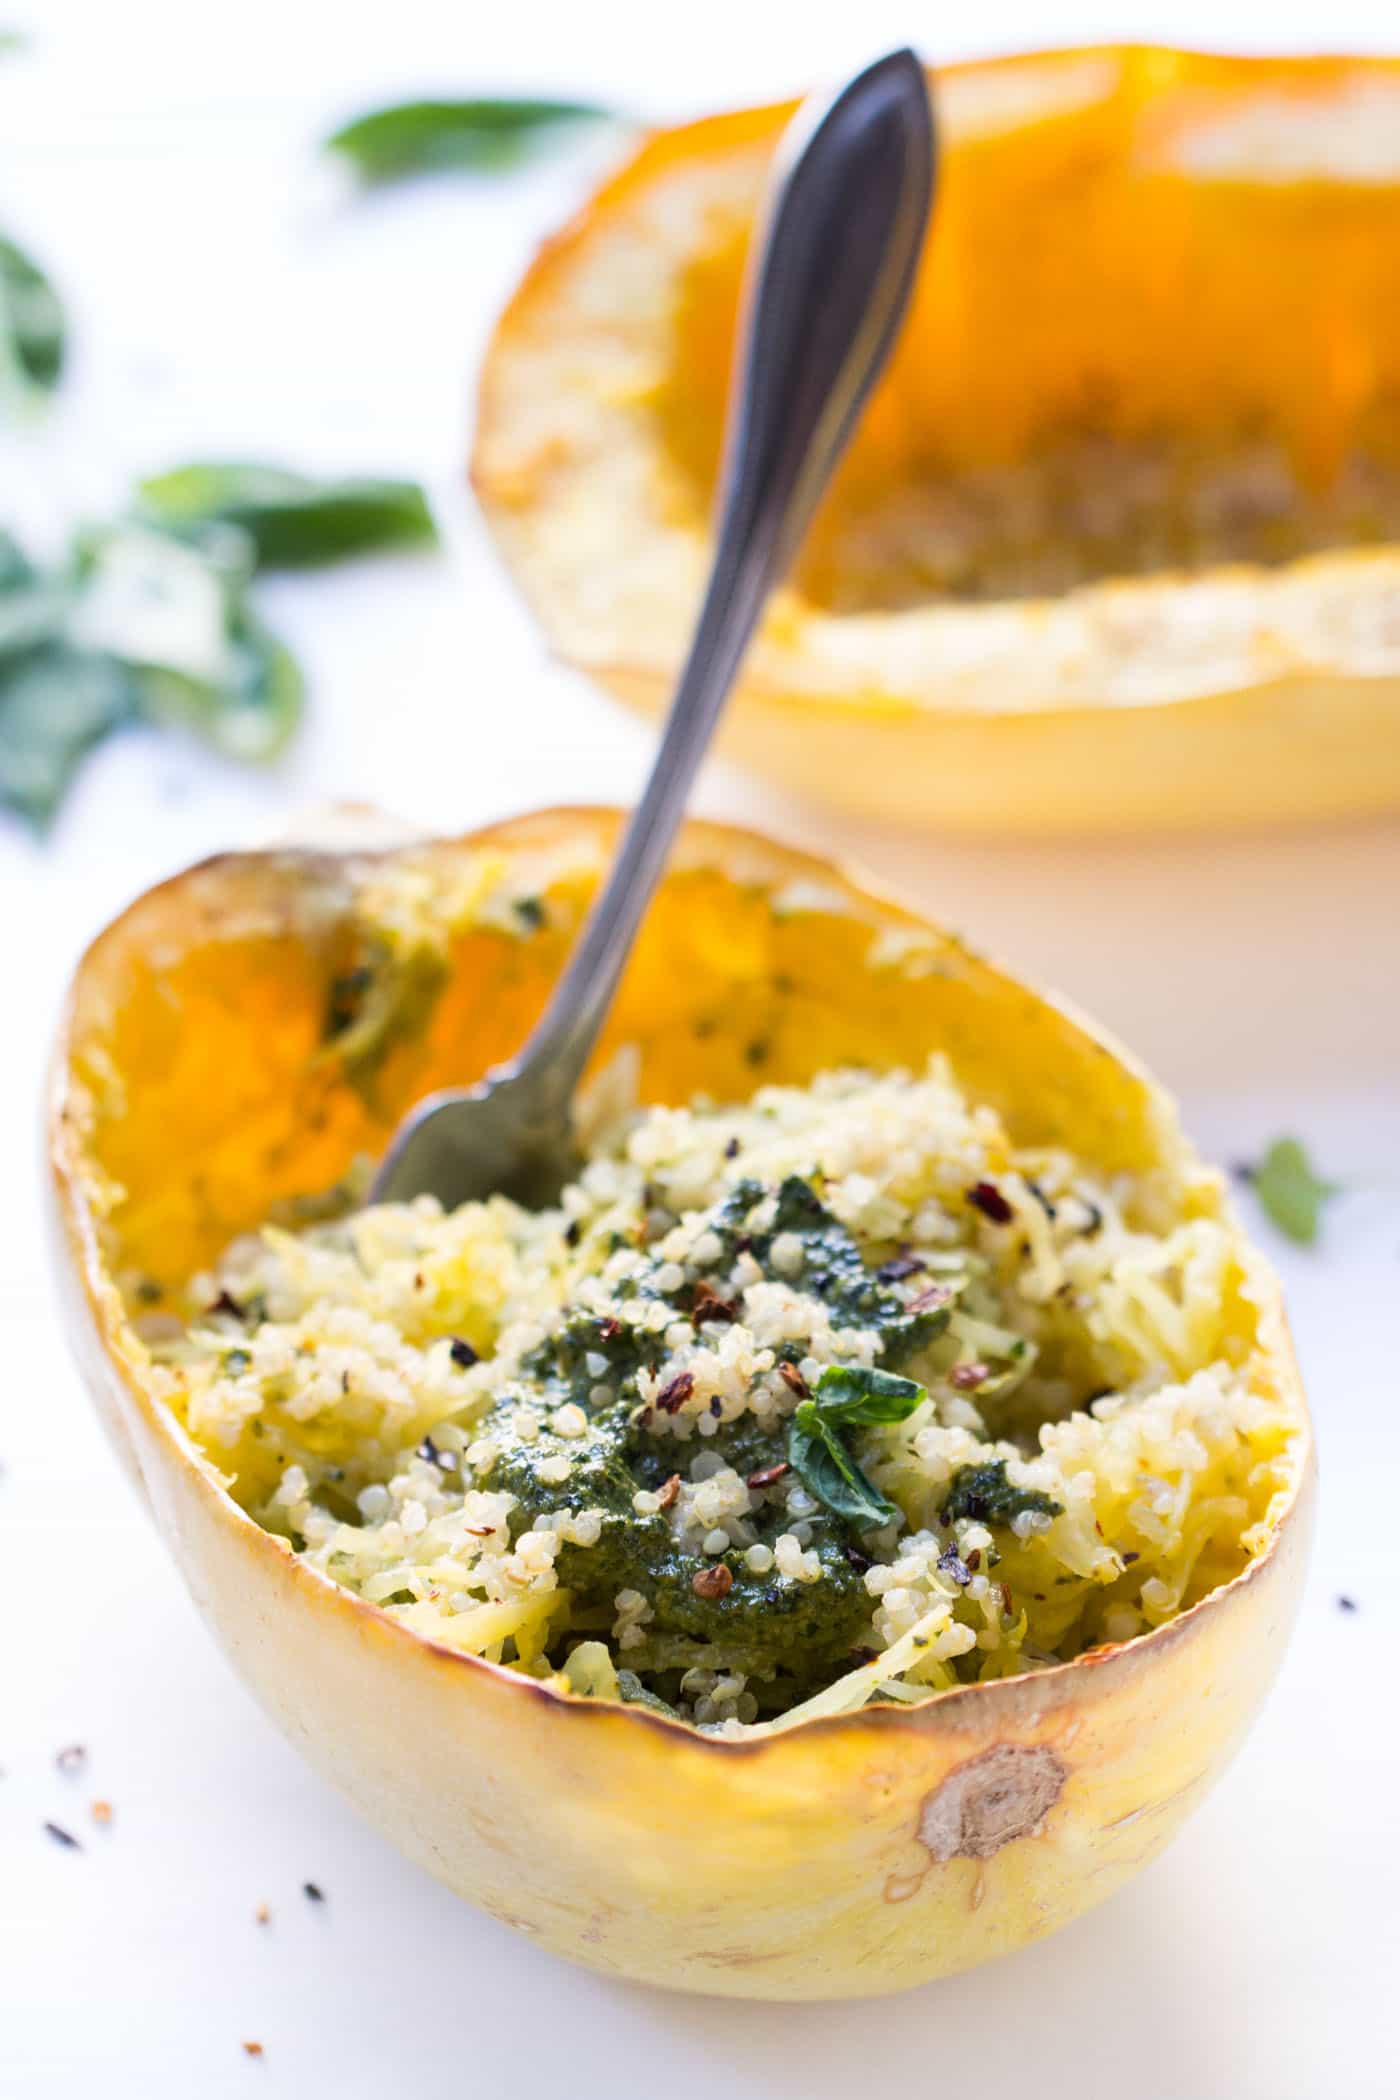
x=828 y=1397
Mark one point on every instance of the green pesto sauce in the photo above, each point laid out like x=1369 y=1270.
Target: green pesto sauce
x=763 y=1621
x=985 y=1495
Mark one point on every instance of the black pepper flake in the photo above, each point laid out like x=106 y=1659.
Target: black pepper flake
x=429 y=1450
x=1346 y=1604
x=63 y=1837
x=716 y=1408
x=71 y=1758
x=462 y=1353
x=1129 y=1558
x=1095 y=1223
x=573 y=1232
x=313 y=1892
x=952 y=1563
x=227 y=1303
x=902 y=1265
x=755 y=1053
x=731 y=1150
x=1041 y=1198
x=856 y=1558
x=861 y=1656
x=987 y=1197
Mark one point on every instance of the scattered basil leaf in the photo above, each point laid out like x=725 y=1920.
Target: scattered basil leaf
x=293 y=520
x=847 y=1398
x=55 y=704
x=175 y=612
x=416 y=138
x=31 y=325
x=1290 y=1191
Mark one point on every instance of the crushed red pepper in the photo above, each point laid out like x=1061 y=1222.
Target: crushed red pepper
x=707 y=1304
x=713 y=1583
x=988 y=1198
x=794 y=1381
x=676 y=1392
x=766 y=1475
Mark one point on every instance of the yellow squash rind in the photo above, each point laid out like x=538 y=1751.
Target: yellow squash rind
x=1138 y=247
x=853 y=1855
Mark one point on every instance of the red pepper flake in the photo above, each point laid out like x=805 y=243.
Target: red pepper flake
x=713 y=1583
x=937 y=1294
x=974 y=1559
x=865 y=1655
x=1129 y=1558
x=967 y=1377
x=707 y=1304
x=71 y=1759
x=676 y=1392
x=1006 y=1598
x=102 y=1813
x=63 y=1837
x=766 y=1475
x=667 y=1495
x=475 y=1531
x=794 y=1381
x=608 y=1328
x=263 y=1914
x=987 y=1197
x=252 y=2048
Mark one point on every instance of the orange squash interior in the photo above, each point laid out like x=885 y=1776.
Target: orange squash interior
x=1155 y=329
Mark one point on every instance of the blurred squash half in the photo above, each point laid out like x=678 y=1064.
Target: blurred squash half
x=1118 y=543
x=193 y=1093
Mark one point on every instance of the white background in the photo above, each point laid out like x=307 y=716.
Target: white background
x=159 y=159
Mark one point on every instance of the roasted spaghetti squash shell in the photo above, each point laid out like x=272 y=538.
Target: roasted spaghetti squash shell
x=1182 y=265
x=853 y=1855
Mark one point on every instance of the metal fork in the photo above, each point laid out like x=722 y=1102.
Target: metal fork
x=835 y=260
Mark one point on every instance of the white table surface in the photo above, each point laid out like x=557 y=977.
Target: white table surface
x=156 y=156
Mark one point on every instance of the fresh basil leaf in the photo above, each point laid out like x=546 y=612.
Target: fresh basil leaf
x=416 y=138
x=31 y=323
x=292 y=520
x=1290 y=1191
x=818 y=1455
x=55 y=704
x=858 y=1398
